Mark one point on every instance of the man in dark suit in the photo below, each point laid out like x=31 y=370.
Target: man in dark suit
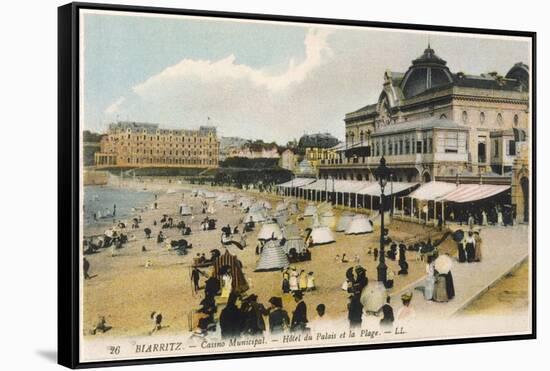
x=299 y=316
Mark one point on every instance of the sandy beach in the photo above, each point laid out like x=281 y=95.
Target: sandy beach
x=126 y=292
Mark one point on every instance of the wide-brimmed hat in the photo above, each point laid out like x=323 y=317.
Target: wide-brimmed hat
x=251 y=297
x=276 y=301
x=298 y=295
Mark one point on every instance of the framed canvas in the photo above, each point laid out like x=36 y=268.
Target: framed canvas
x=240 y=185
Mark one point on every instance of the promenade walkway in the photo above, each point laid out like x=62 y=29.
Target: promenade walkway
x=504 y=249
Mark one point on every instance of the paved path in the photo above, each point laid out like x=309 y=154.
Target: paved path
x=504 y=248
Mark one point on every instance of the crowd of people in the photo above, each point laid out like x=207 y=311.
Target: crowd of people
x=234 y=313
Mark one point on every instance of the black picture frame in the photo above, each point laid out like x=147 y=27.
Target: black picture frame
x=69 y=182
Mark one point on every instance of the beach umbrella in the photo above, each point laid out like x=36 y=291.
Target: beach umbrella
x=281 y=206
x=443 y=264
x=373 y=297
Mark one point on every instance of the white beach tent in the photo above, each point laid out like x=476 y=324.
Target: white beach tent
x=246 y=202
x=206 y=194
x=185 y=210
x=293 y=207
x=328 y=219
x=211 y=209
x=272 y=258
x=310 y=210
x=296 y=243
x=225 y=197
x=291 y=231
x=293 y=239
x=254 y=216
x=270 y=230
x=359 y=224
x=344 y=221
x=281 y=206
x=209 y=194
x=281 y=217
x=260 y=205
x=320 y=234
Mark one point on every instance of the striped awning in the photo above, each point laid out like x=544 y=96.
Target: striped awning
x=473 y=192
x=296 y=182
x=433 y=190
x=373 y=189
x=338 y=185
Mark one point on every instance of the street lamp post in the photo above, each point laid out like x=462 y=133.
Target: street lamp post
x=382 y=173
x=391 y=194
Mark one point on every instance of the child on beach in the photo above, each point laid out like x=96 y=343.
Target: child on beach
x=156 y=317
x=310 y=282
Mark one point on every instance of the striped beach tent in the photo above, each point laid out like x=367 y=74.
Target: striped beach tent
x=272 y=258
x=238 y=282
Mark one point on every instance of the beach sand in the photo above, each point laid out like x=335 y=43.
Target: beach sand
x=126 y=292
x=509 y=296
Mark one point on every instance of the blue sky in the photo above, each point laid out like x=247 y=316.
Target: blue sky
x=274 y=81
x=122 y=51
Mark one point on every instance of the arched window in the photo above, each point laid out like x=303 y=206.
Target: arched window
x=499 y=119
x=482 y=117
x=516 y=120
x=464 y=117
x=362 y=136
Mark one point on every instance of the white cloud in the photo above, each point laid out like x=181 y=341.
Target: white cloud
x=241 y=100
x=342 y=71
x=226 y=69
x=115 y=106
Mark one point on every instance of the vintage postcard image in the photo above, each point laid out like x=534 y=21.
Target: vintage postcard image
x=256 y=185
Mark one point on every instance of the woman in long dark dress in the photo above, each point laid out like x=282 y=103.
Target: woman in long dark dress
x=444 y=287
x=231 y=318
x=470 y=247
x=278 y=317
x=253 y=316
x=388 y=317
x=461 y=251
x=355 y=310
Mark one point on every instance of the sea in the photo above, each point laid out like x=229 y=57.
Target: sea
x=101 y=201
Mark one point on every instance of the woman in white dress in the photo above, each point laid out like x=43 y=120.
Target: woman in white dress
x=429 y=282
x=227 y=281
x=484 y=220
x=293 y=281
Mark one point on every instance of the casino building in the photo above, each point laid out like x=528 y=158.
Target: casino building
x=132 y=144
x=431 y=123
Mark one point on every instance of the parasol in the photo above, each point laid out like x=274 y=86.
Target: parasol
x=443 y=264
x=458 y=235
x=373 y=297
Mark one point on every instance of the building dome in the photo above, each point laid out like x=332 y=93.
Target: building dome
x=320 y=140
x=520 y=73
x=305 y=169
x=426 y=72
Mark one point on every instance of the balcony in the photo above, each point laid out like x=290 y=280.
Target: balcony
x=409 y=159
